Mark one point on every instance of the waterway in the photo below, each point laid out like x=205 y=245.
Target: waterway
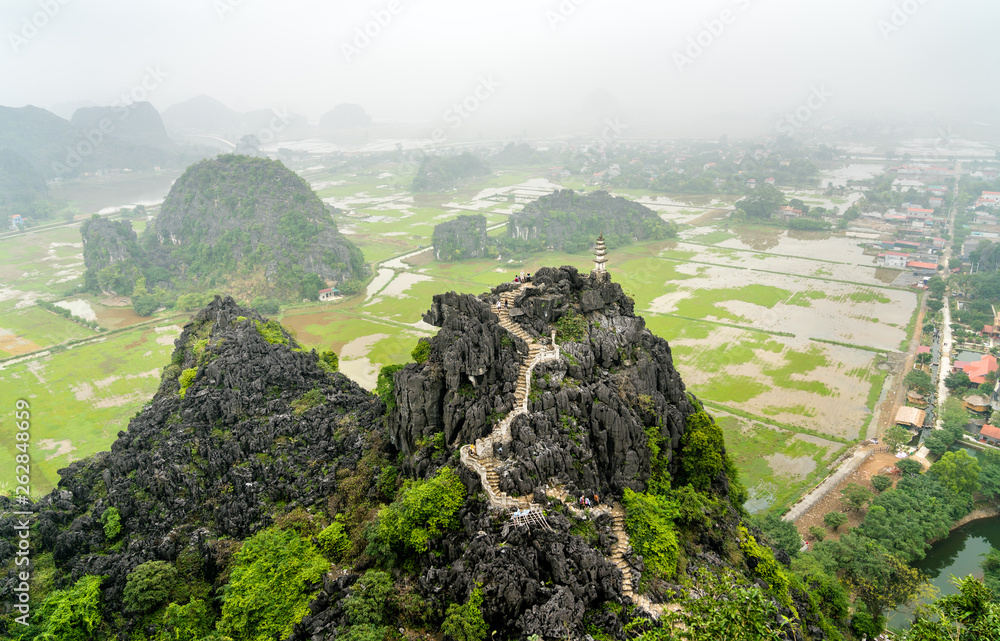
x=958 y=555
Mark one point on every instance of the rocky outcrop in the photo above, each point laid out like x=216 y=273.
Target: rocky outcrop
x=461 y=238
x=215 y=463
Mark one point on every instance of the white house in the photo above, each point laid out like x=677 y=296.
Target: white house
x=896 y=260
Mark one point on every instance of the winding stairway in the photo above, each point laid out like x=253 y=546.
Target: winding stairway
x=485 y=464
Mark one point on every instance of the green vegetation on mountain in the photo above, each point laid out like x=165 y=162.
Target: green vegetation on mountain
x=568 y=221
x=235 y=224
x=112 y=255
x=461 y=238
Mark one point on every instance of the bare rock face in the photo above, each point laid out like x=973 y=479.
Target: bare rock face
x=468 y=381
x=589 y=412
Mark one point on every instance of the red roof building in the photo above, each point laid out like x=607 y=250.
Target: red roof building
x=990 y=433
x=977 y=370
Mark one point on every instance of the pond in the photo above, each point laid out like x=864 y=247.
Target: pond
x=958 y=555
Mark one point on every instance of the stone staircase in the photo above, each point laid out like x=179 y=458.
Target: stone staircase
x=485 y=463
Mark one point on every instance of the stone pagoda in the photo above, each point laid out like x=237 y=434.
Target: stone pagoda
x=600 y=259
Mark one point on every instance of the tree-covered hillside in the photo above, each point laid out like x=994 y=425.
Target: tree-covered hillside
x=250 y=226
x=568 y=221
x=461 y=238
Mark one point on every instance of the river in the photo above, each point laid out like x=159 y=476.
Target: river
x=959 y=554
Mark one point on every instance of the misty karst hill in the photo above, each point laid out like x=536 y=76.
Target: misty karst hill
x=438 y=173
x=261 y=494
x=250 y=226
x=206 y=115
x=143 y=124
x=461 y=238
x=568 y=221
x=21 y=183
x=345 y=116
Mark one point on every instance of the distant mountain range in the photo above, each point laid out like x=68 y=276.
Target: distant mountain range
x=206 y=115
x=96 y=138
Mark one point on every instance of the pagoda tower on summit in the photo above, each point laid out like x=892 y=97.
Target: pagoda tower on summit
x=600 y=257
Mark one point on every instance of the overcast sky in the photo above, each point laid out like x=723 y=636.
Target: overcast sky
x=542 y=61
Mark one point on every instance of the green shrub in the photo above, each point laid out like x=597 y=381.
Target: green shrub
x=150 y=585
x=780 y=533
x=368 y=602
x=72 y=614
x=271 y=332
x=834 y=520
x=422 y=351
x=764 y=565
x=465 y=622
x=703 y=457
x=385 y=387
x=189 y=622
x=423 y=510
x=185 y=380
x=333 y=540
x=268 y=589
x=112 y=522
x=307 y=401
x=881 y=482
x=649 y=522
x=817 y=532
x=329 y=361
x=570 y=327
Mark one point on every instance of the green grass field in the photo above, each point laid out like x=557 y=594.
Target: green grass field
x=775 y=463
x=81 y=398
x=40 y=328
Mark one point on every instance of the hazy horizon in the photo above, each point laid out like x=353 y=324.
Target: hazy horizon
x=737 y=66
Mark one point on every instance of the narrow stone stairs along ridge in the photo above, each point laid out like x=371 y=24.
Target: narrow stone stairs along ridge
x=484 y=463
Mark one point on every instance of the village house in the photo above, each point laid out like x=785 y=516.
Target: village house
x=895 y=260
x=769 y=181
x=977 y=403
x=16 y=222
x=910 y=417
x=975 y=369
x=920 y=267
x=329 y=293
x=990 y=434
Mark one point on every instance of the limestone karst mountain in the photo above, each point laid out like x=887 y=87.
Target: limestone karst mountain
x=262 y=493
